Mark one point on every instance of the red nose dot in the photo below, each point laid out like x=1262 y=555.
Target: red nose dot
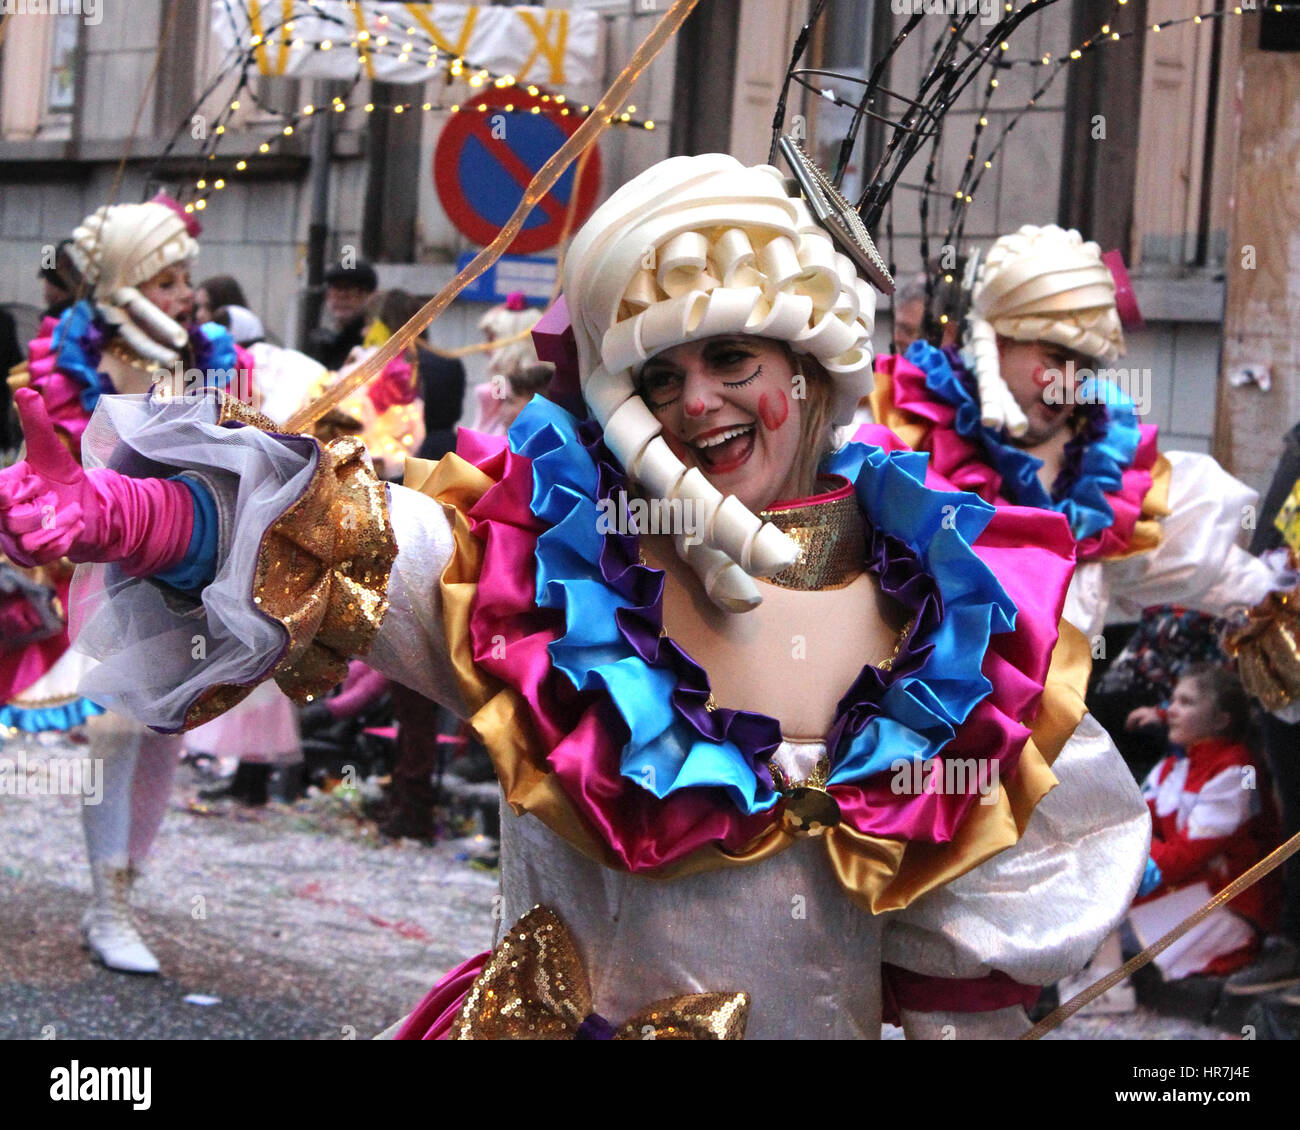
x=695 y=408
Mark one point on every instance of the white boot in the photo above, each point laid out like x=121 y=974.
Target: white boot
x=109 y=926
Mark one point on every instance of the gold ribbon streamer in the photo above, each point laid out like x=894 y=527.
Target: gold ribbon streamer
x=487 y=346
x=534 y=987
x=538 y=187
x=1230 y=892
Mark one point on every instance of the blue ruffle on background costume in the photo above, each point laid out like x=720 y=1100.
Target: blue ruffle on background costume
x=1104 y=462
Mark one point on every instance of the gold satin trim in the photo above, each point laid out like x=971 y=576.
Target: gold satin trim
x=832 y=542
x=910 y=429
x=322 y=572
x=1148 y=532
x=879 y=873
x=535 y=987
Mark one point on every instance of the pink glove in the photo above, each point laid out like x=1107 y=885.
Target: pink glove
x=51 y=508
x=393 y=386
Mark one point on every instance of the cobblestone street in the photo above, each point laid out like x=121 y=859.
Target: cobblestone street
x=275 y=923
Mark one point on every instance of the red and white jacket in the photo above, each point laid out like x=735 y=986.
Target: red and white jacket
x=1212 y=818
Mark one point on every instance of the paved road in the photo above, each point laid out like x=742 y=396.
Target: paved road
x=291 y=923
x=301 y=923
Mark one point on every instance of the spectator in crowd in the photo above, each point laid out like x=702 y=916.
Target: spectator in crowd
x=505 y=325
x=945 y=305
x=214 y=293
x=347 y=290
x=524 y=385
x=1212 y=818
x=1166 y=641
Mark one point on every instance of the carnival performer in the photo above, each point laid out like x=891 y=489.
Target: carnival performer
x=1024 y=417
x=503 y=323
x=730 y=738
x=133 y=328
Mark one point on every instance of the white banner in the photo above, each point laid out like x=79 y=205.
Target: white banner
x=395 y=42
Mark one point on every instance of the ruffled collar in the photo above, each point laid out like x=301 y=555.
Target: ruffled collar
x=80 y=336
x=612 y=642
x=1096 y=458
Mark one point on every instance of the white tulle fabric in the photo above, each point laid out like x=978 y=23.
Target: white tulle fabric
x=157 y=649
x=1199 y=562
x=121 y=246
x=693 y=248
x=1039 y=284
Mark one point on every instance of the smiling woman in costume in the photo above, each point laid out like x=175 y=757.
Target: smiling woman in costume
x=746 y=763
x=133 y=328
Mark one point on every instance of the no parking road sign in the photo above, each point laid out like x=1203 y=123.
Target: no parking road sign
x=485 y=157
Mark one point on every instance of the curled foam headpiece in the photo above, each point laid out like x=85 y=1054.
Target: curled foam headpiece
x=693 y=248
x=123 y=245
x=1040 y=284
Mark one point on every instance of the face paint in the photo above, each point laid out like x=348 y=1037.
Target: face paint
x=724 y=407
x=773 y=409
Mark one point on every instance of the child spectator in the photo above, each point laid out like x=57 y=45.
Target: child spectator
x=1212 y=818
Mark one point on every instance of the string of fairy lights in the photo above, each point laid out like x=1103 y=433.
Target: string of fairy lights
x=405 y=43
x=924 y=122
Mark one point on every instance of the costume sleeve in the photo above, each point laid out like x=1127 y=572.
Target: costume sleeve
x=1222 y=806
x=306 y=551
x=1037 y=911
x=1199 y=562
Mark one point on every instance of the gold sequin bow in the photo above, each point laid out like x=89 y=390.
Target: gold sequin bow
x=1267 y=649
x=535 y=988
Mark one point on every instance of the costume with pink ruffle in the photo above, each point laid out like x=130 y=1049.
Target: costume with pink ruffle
x=1107 y=470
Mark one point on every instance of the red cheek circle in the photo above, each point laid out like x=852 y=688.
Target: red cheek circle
x=695 y=408
x=773 y=410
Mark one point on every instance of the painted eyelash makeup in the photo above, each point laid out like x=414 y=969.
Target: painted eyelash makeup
x=741 y=384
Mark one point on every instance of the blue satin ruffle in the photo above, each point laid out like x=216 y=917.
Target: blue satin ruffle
x=78 y=343
x=664 y=752
x=921 y=711
x=1104 y=461
x=38 y=720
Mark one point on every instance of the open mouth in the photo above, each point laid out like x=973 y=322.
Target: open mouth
x=723 y=449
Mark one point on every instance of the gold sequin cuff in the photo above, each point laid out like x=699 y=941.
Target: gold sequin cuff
x=1267 y=649
x=322 y=571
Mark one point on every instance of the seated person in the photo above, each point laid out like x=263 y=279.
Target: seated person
x=1212 y=819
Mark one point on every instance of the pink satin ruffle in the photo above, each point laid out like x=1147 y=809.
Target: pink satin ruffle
x=60 y=393
x=433 y=1017
x=1031 y=553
